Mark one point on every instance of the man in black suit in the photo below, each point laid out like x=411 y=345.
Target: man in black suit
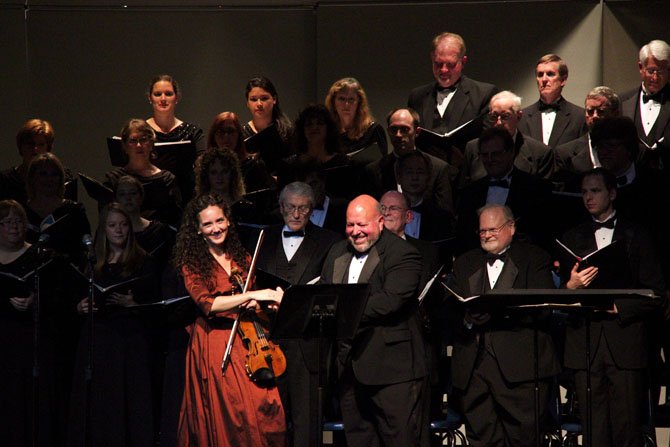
x=528 y=196
x=649 y=105
x=641 y=191
x=428 y=221
x=381 y=176
x=397 y=215
x=618 y=338
x=382 y=369
x=295 y=252
x=453 y=99
x=552 y=119
x=532 y=156
x=493 y=359
x=578 y=156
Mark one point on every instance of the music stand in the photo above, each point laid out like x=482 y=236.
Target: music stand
x=584 y=301
x=321 y=312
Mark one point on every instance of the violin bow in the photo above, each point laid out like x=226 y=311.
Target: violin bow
x=236 y=324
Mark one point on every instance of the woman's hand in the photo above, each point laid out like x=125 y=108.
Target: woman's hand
x=580 y=280
x=22 y=304
x=120 y=299
x=82 y=306
x=274 y=297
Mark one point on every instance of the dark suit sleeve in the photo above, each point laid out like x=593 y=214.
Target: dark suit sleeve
x=647 y=274
x=400 y=280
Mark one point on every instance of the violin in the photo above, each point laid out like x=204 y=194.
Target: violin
x=264 y=361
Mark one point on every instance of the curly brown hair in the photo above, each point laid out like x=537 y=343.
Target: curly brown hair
x=228 y=160
x=191 y=251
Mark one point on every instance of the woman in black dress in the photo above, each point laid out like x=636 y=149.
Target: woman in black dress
x=164 y=94
x=18 y=258
x=263 y=104
x=348 y=105
x=120 y=398
x=162 y=198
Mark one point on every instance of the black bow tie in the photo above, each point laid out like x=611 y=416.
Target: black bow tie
x=554 y=106
x=446 y=90
x=501 y=183
x=622 y=180
x=299 y=233
x=609 y=223
x=491 y=258
x=657 y=97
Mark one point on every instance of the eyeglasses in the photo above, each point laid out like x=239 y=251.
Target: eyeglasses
x=345 y=100
x=136 y=141
x=392 y=209
x=493 y=231
x=656 y=71
x=503 y=117
x=598 y=112
x=11 y=222
x=302 y=209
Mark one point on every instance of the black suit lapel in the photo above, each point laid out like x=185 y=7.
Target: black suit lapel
x=303 y=256
x=370 y=265
x=456 y=107
x=535 y=122
x=478 y=282
x=341 y=268
x=430 y=106
x=508 y=275
x=561 y=122
x=629 y=108
x=662 y=122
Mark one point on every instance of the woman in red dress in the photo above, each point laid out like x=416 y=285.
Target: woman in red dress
x=218 y=409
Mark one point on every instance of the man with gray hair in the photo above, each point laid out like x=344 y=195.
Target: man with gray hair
x=295 y=252
x=492 y=365
x=579 y=156
x=649 y=105
x=532 y=156
x=552 y=119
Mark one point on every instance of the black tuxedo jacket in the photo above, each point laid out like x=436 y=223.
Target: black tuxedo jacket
x=572 y=160
x=380 y=177
x=436 y=224
x=430 y=258
x=630 y=107
x=470 y=100
x=569 y=123
x=388 y=347
x=529 y=198
x=624 y=333
x=645 y=201
x=532 y=156
x=309 y=260
x=309 y=257
x=509 y=333
x=336 y=217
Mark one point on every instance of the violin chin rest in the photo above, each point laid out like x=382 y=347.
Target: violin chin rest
x=263 y=375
